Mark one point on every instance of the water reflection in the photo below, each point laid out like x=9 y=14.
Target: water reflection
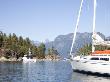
x=44 y=71
x=47 y=71
x=79 y=77
x=10 y=72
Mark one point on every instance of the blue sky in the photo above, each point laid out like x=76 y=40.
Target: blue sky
x=45 y=19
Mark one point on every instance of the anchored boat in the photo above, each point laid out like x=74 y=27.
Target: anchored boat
x=97 y=61
x=28 y=58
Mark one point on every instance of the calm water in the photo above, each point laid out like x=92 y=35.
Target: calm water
x=48 y=71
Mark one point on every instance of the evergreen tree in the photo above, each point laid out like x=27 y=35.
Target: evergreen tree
x=41 y=50
x=1 y=39
x=85 y=50
x=14 y=46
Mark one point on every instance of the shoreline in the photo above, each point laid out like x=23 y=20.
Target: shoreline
x=3 y=59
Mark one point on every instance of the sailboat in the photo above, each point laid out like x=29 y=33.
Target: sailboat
x=28 y=58
x=97 y=61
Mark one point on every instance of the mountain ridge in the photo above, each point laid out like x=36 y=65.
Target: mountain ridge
x=62 y=43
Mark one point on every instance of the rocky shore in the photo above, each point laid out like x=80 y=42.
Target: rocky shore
x=47 y=58
x=10 y=59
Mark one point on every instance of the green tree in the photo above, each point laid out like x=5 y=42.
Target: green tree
x=1 y=39
x=41 y=51
x=101 y=47
x=49 y=51
x=14 y=46
x=52 y=51
x=20 y=41
x=34 y=51
x=85 y=50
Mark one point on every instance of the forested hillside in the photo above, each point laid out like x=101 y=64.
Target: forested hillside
x=14 y=46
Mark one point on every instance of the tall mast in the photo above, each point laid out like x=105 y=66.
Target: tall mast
x=76 y=27
x=29 y=52
x=94 y=24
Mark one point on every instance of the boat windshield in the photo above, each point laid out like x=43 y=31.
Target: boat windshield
x=105 y=59
x=94 y=58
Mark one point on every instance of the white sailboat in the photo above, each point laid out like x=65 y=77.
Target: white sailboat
x=97 y=61
x=28 y=58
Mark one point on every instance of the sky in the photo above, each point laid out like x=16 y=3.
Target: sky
x=42 y=20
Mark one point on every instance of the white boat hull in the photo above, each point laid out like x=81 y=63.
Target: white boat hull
x=28 y=60
x=93 y=67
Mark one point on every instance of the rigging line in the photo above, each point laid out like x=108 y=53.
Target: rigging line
x=76 y=27
x=94 y=24
x=94 y=17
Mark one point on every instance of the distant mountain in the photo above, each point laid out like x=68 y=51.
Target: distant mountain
x=37 y=43
x=63 y=42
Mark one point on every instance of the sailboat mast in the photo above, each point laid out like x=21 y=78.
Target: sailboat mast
x=29 y=52
x=94 y=24
x=76 y=27
x=94 y=16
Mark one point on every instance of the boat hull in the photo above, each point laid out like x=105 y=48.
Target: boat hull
x=28 y=60
x=93 y=67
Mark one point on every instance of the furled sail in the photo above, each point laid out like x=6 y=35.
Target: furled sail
x=97 y=40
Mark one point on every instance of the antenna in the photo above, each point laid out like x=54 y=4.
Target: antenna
x=76 y=27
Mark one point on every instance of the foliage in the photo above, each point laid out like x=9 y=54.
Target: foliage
x=13 y=46
x=100 y=47
x=87 y=49
x=41 y=51
x=52 y=51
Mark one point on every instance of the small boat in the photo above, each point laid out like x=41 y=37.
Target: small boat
x=28 y=58
x=97 y=61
